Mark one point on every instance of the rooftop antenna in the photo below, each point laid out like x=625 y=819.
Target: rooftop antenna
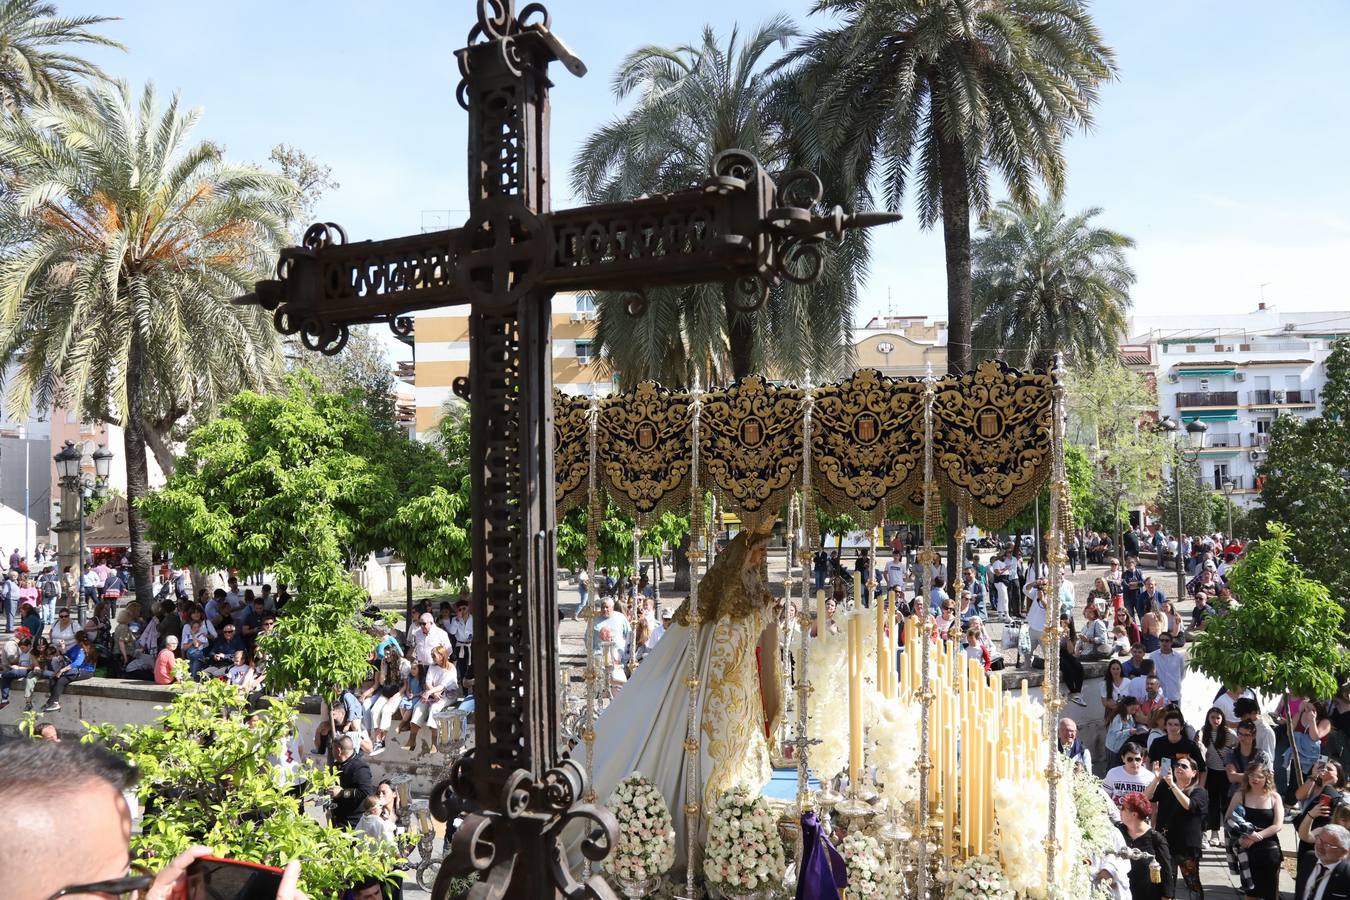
x=1263 y=290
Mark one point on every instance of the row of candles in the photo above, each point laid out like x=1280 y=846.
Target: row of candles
x=978 y=734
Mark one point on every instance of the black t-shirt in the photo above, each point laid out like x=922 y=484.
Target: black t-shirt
x=1184 y=828
x=1164 y=749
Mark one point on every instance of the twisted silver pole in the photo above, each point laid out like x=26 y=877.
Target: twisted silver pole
x=592 y=608
x=692 y=617
x=1055 y=558
x=810 y=528
x=926 y=694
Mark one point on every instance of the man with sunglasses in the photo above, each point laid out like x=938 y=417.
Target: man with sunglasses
x=41 y=782
x=1130 y=777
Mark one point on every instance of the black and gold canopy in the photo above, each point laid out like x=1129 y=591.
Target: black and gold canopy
x=991 y=444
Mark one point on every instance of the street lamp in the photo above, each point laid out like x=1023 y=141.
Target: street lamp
x=68 y=463
x=1188 y=453
x=1229 y=486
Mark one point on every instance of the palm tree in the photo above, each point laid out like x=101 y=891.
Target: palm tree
x=1045 y=281
x=692 y=102
x=34 y=66
x=943 y=93
x=116 y=302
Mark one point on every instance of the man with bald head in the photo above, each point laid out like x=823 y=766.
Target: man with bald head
x=73 y=792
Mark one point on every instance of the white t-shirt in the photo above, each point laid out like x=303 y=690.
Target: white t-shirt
x=1170 y=669
x=1226 y=701
x=423 y=643
x=1035 y=610
x=897 y=571
x=1119 y=783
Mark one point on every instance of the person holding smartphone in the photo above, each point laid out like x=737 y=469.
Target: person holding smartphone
x=40 y=783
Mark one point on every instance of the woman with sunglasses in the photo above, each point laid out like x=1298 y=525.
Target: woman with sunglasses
x=1258 y=803
x=1180 y=815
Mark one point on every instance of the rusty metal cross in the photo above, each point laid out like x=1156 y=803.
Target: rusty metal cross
x=738 y=227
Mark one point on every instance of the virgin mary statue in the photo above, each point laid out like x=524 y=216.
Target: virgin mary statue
x=644 y=728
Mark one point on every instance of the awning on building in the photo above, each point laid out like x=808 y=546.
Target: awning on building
x=1223 y=415
x=1205 y=373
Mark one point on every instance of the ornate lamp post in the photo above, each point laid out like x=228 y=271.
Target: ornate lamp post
x=68 y=469
x=1229 y=486
x=1186 y=452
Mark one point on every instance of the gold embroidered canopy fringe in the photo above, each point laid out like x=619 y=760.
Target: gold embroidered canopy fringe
x=992 y=443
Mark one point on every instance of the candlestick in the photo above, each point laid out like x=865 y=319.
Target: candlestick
x=822 y=615
x=881 y=643
x=857 y=590
x=855 y=722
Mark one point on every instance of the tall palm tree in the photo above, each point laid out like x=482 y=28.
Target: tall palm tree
x=116 y=303
x=35 y=67
x=942 y=93
x=1045 y=281
x=692 y=102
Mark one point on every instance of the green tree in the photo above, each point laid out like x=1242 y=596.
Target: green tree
x=1304 y=481
x=1283 y=635
x=1107 y=406
x=312 y=180
x=1197 y=507
x=303 y=483
x=116 y=304
x=208 y=776
x=943 y=95
x=1046 y=282
x=37 y=66
x=690 y=103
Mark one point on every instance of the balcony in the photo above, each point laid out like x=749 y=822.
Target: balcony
x=1282 y=398
x=1258 y=440
x=1206 y=398
x=1215 y=482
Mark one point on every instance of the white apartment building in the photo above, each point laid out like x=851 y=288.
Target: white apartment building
x=1237 y=373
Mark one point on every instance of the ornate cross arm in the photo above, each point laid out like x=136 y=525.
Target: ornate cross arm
x=738 y=226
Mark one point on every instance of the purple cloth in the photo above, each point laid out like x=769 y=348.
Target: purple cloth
x=823 y=871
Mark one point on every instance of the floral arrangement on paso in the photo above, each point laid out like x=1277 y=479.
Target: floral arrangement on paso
x=827 y=717
x=1023 y=810
x=1090 y=804
x=744 y=853
x=979 y=878
x=646 y=847
x=868 y=872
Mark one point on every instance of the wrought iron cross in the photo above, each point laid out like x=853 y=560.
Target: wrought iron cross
x=738 y=227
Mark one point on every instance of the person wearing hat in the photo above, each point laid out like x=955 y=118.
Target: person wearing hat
x=667 y=617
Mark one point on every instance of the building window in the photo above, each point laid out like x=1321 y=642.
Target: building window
x=584 y=353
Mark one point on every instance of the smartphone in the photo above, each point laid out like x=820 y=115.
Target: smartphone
x=213 y=878
x=1166 y=766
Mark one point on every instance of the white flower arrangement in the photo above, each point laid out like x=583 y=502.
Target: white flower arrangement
x=827 y=717
x=744 y=853
x=979 y=878
x=868 y=871
x=1091 y=807
x=646 y=847
x=896 y=750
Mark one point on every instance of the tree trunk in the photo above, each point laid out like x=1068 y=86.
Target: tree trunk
x=741 y=334
x=956 y=244
x=138 y=476
x=679 y=558
x=161 y=444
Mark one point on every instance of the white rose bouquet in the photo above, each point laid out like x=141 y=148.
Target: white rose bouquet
x=979 y=878
x=868 y=872
x=744 y=853
x=646 y=847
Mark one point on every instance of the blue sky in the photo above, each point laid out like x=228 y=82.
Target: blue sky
x=1220 y=148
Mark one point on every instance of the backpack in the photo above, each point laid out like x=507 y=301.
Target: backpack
x=49 y=589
